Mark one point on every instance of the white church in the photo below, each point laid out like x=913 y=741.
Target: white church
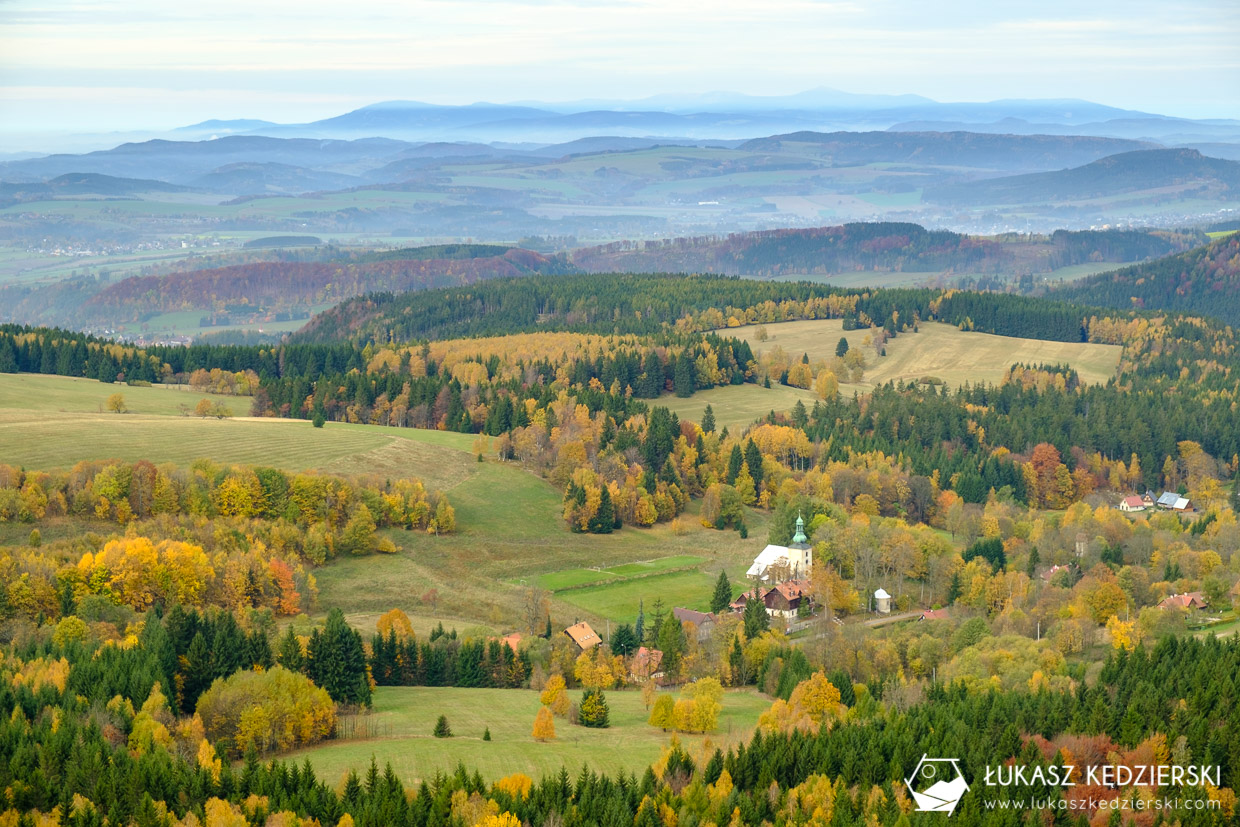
x=779 y=563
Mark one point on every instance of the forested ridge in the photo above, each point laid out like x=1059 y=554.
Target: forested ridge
x=1205 y=281
x=63 y=741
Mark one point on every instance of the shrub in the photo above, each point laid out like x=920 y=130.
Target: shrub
x=274 y=709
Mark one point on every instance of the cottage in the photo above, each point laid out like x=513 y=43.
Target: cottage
x=1133 y=503
x=1188 y=600
x=1050 y=573
x=785 y=599
x=512 y=641
x=647 y=665
x=775 y=563
x=882 y=601
x=933 y=614
x=738 y=605
x=702 y=621
x=1147 y=499
x=582 y=635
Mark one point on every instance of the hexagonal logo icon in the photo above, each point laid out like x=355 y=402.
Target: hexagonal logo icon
x=937 y=785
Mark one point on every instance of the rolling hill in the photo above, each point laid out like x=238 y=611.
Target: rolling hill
x=1205 y=280
x=1127 y=172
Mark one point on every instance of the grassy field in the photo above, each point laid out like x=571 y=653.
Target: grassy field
x=738 y=405
x=577 y=577
x=619 y=602
x=510 y=526
x=937 y=350
x=399 y=731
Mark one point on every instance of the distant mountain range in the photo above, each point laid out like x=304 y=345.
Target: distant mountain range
x=712 y=116
x=730 y=116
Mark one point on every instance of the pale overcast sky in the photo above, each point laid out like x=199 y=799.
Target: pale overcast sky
x=151 y=64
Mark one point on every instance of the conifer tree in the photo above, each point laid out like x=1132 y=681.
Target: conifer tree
x=722 y=597
x=755 y=618
x=708 y=420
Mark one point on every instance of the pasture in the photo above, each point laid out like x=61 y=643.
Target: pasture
x=398 y=730
x=939 y=350
x=736 y=406
x=509 y=520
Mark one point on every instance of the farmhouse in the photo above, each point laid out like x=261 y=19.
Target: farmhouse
x=1171 y=501
x=1133 y=503
x=775 y=563
x=1188 y=600
x=582 y=635
x=646 y=665
x=785 y=599
x=781 y=600
x=701 y=621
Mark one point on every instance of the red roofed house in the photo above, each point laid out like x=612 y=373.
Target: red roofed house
x=785 y=599
x=646 y=665
x=512 y=641
x=738 y=605
x=582 y=635
x=1188 y=600
x=933 y=614
x=1050 y=573
x=1133 y=503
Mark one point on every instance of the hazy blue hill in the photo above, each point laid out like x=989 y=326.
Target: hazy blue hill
x=1116 y=174
x=962 y=149
x=182 y=161
x=80 y=184
x=250 y=178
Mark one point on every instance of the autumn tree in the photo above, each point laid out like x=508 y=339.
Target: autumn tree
x=663 y=715
x=544 y=725
x=116 y=403
x=555 y=696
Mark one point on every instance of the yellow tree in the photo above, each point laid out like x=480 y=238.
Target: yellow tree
x=664 y=713
x=555 y=695
x=544 y=725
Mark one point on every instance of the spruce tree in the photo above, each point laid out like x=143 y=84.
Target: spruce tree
x=604 y=519
x=722 y=598
x=708 y=420
x=1034 y=559
x=755 y=618
x=442 y=730
x=841 y=347
x=735 y=460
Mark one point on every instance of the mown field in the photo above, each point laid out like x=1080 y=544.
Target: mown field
x=736 y=406
x=938 y=350
x=399 y=731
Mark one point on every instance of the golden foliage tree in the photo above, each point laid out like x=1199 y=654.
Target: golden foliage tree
x=544 y=725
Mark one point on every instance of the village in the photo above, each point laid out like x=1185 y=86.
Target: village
x=780 y=580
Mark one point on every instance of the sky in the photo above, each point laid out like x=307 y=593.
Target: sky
x=152 y=64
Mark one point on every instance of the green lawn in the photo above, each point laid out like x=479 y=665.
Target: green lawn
x=569 y=578
x=619 y=602
x=399 y=731
x=64 y=394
